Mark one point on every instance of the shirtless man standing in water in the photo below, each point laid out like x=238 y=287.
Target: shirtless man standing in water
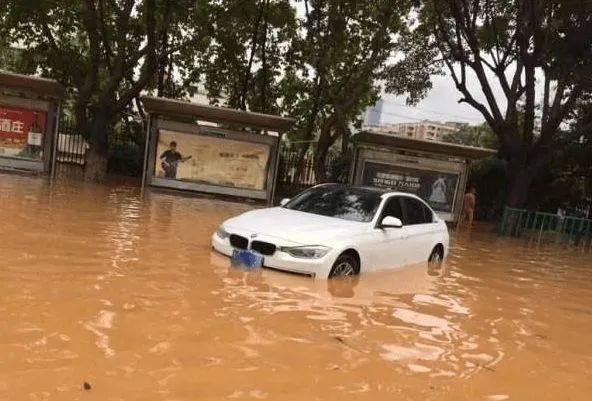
x=468 y=212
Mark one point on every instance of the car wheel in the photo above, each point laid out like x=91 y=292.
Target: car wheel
x=437 y=256
x=346 y=265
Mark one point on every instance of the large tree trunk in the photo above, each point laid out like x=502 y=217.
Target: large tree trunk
x=319 y=167
x=301 y=163
x=95 y=168
x=522 y=171
x=326 y=140
x=519 y=182
x=320 y=159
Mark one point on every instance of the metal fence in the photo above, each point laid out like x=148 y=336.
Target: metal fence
x=72 y=146
x=126 y=148
x=546 y=226
x=296 y=174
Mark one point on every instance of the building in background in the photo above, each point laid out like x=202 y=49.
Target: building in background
x=424 y=130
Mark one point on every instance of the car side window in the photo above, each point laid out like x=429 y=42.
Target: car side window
x=393 y=208
x=415 y=212
x=429 y=215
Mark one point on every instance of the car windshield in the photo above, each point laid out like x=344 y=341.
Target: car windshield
x=354 y=204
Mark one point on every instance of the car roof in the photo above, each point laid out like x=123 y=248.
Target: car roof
x=383 y=192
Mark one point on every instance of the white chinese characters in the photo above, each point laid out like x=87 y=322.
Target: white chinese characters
x=15 y=126
x=18 y=127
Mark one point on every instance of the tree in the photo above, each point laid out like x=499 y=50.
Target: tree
x=336 y=64
x=16 y=60
x=474 y=135
x=107 y=50
x=321 y=65
x=567 y=179
x=243 y=62
x=537 y=52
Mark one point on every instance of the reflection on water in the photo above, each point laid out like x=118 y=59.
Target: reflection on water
x=102 y=285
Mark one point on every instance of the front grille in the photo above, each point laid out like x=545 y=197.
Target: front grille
x=264 y=248
x=238 y=242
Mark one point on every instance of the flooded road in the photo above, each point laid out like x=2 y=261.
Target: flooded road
x=102 y=286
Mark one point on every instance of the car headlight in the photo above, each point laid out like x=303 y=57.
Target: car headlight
x=222 y=233
x=306 y=252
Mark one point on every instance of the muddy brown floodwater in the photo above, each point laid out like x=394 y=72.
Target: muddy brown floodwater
x=100 y=285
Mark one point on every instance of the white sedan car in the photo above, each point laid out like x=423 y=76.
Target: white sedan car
x=335 y=230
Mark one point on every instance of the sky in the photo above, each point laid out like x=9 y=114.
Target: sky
x=441 y=104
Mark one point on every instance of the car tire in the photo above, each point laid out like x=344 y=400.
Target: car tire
x=437 y=256
x=345 y=265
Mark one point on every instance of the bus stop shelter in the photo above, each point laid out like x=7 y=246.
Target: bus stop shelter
x=435 y=171
x=209 y=149
x=29 y=114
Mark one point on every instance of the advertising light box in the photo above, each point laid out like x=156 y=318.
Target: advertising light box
x=208 y=149
x=211 y=160
x=437 y=188
x=21 y=132
x=437 y=172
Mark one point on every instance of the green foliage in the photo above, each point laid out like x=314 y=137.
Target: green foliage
x=567 y=179
x=17 y=60
x=126 y=148
x=537 y=53
x=125 y=158
x=107 y=52
x=337 y=61
x=489 y=176
x=324 y=62
x=480 y=136
x=246 y=54
x=320 y=63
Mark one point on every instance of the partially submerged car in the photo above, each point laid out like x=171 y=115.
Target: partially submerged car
x=334 y=230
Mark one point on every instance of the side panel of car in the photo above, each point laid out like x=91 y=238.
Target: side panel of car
x=421 y=227
x=390 y=247
x=387 y=246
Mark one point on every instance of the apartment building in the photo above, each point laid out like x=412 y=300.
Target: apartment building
x=424 y=130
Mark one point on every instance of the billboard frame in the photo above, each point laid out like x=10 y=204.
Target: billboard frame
x=33 y=93
x=201 y=130
x=224 y=123
x=416 y=154
x=45 y=163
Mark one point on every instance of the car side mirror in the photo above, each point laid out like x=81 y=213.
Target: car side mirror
x=284 y=201
x=391 y=222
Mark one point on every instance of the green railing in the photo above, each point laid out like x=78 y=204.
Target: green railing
x=528 y=223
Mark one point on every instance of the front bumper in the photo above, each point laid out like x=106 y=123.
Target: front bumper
x=282 y=261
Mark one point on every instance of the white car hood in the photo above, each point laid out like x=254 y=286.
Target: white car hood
x=294 y=226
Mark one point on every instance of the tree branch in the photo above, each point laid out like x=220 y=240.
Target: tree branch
x=254 y=41
x=151 y=59
x=106 y=39
x=469 y=33
x=91 y=77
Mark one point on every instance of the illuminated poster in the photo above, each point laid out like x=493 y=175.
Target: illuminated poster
x=211 y=160
x=437 y=188
x=21 y=132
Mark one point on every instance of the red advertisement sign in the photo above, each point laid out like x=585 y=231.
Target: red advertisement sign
x=16 y=123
